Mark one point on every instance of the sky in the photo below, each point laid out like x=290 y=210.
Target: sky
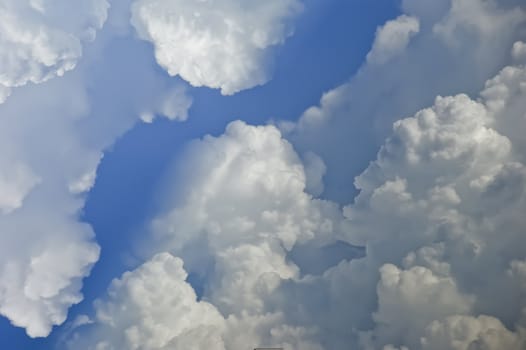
x=232 y=174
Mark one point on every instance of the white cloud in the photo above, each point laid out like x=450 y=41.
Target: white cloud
x=519 y=51
x=219 y=44
x=440 y=210
x=140 y=314
x=37 y=42
x=173 y=104
x=314 y=171
x=51 y=148
x=420 y=296
x=242 y=200
x=15 y=184
x=466 y=332
x=240 y=209
x=435 y=48
x=392 y=39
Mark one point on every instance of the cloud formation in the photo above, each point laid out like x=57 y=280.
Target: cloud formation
x=392 y=39
x=37 y=42
x=440 y=212
x=140 y=314
x=52 y=146
x=220 y=44
x=239 y=210
x=434 y=48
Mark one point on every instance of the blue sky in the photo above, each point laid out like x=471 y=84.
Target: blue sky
x=306 y=216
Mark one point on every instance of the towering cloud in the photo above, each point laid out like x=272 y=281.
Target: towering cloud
x=440 y=212
x=237 y=212
x=435 y=48
x=393 y=38
x=215 y=43
x=38 y=42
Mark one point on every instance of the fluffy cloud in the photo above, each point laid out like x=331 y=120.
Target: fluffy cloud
x=243 y=202
x=51 y=148
x=140 y=314
x=45 y=250
x=173 y=104
x=442 y=202
x=466 y=332
x=38 y=42
x=440 y=210
x=241 y=207
x=220 y=43
x=434 y=48
x=393 y=38
x=15 y=184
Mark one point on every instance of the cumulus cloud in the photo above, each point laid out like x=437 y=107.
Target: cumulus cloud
x=173 y=104
x=243 y=201
x=442 y=201
x=440 y=212
x=467 y=332
x=219 y=44
x=15 y=184
x=52 y=146
x=240 y=209
x=140 y=314
x=393 y=38
x=45 y=250
x=37 y=42
x=434 y=48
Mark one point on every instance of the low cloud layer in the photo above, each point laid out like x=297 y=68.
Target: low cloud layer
x=220 y=44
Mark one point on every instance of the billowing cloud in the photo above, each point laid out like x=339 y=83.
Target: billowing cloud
x=243 y=202
x=140 y=314
x=38 y=42
x=440 y=212
x=241 y=208
x=45 y=251
x=393 y=38
x=52 y=145
x=467 y=332
x=434 y=48
x=219 y=44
